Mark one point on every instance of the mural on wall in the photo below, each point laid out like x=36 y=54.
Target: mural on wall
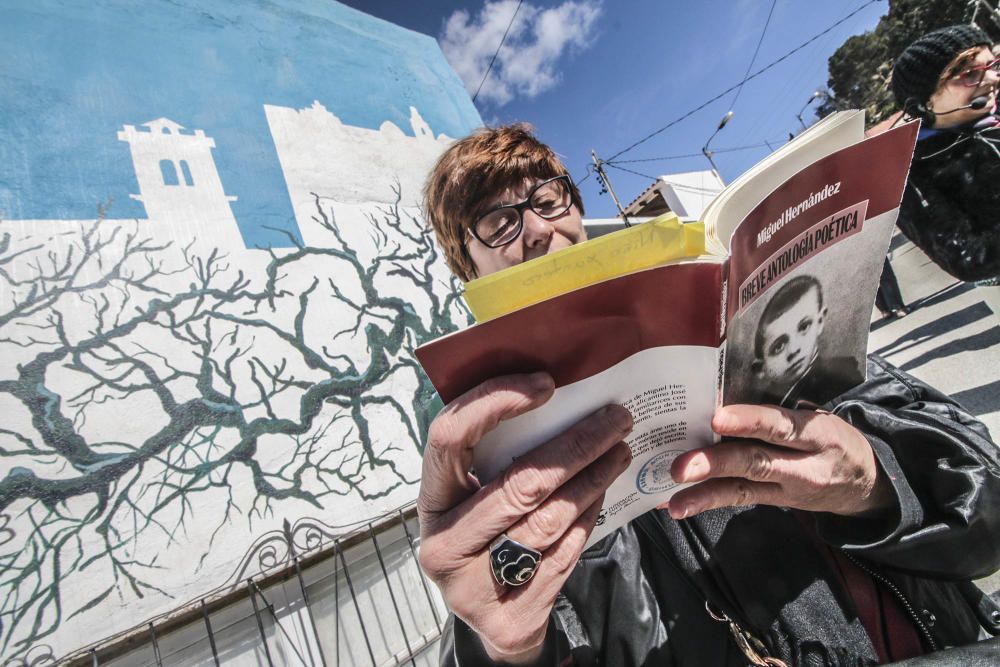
x=214 y=272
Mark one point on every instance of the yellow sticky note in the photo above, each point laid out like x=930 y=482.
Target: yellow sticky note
x=641 y=246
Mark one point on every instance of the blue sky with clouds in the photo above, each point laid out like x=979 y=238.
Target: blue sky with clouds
x=592 y=74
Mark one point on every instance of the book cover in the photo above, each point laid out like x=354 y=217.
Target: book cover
x=781 y=318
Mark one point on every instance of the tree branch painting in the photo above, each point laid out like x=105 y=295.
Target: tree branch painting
x=149 y=387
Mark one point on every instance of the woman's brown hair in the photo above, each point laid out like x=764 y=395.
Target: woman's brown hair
x=961 y=62
x=472 y=172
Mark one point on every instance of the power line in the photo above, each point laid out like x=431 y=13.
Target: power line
x=494 y=59
x=590 y=172
x=748 y=78
x=615 y=166
x=680 y=156
x=755 y=52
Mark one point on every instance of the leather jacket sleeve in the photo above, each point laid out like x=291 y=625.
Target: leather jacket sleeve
x=461 y=646
x=944 y=470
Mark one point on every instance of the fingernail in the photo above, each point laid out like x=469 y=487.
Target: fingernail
x=720 y=421
x=619 y=416
x=540 y=381
x=679 y=512
x=694 y=470
x=625 y=455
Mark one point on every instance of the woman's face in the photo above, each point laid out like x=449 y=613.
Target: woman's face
x=538 y=236
x=952 y=93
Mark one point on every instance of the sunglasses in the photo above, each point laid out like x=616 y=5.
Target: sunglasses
x=973 y=77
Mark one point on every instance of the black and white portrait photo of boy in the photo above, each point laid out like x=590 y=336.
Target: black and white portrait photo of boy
x=788 y=367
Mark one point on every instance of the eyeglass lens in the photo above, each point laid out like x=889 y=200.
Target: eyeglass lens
x=974 y=76
x=502 y=225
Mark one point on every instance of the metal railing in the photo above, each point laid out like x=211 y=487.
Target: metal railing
x=302 y=556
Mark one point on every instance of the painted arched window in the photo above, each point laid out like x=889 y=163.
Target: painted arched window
x=169 y=172
x=186 y=173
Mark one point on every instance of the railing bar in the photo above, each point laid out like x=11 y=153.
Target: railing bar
x=321 y=578
x=420 y=571
x=260 y=623
x=277 y=624
x=392 y=595
x=336 y=600
x=156 y=645
x=211 y=635
x=93 y=657
x=312 y=621
x=357 y=607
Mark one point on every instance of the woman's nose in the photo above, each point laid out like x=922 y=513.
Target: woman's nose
x=536 y=228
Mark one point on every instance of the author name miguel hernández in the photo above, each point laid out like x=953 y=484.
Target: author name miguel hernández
x=792 y=212
x=816 y=239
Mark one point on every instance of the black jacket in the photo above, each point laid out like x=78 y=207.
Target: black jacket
x=638 y=596
x=951 y=205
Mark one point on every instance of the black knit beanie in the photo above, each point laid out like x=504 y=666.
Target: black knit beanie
x=918 y=68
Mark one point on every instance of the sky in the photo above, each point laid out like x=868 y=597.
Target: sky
x=603 y=75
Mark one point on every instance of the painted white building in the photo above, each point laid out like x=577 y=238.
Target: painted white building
x=214 y=391
x=190 y=216
x=686 y=194
x=179 y=183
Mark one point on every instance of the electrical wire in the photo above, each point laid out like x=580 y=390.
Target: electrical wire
x=681 y=156
x=615 y=166
x=494 y=59
x=755 y=52
x=748 y=78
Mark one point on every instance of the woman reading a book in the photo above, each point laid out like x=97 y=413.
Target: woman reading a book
x=839 y=537
x=951 y=206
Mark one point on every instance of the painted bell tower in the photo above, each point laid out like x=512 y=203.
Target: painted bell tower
x=179 y=184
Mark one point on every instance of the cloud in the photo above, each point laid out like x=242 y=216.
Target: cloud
x=527 y=63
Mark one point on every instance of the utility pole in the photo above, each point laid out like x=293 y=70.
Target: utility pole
x=606 y=186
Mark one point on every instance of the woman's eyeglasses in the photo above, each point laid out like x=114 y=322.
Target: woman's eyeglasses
x=549 y=199
x=973 y=77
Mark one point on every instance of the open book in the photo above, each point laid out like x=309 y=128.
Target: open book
x=768 y=301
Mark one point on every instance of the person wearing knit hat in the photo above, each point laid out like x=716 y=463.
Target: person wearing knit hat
x=921 y=69
x=951 y=206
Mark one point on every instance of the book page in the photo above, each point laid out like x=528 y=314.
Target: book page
x=803 y=274
x=831 y=134
x=671 y=394
x=649 y=340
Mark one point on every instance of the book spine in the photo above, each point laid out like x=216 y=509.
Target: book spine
x=723 y=322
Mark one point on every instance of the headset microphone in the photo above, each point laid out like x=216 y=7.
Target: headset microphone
x=977 y=103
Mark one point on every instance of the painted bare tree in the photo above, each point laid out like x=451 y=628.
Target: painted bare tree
x=141 y=377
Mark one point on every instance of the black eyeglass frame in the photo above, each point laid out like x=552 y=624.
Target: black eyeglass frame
x=519 y=209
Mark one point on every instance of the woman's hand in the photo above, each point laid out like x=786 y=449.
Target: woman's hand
x=791 y=458
x=548 y=500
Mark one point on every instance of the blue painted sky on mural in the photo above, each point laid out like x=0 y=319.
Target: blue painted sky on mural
x=72 y=74
x=645 y=63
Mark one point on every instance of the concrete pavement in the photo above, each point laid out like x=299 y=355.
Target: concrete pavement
x=951 y=340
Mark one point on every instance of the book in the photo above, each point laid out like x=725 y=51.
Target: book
x=658 y=241
x=771 y=304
